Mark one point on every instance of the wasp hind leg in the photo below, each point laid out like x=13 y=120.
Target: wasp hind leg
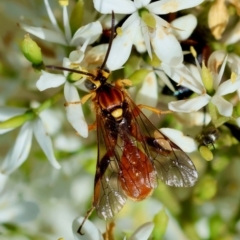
x=154 y=110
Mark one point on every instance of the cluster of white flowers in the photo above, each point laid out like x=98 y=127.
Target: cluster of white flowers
x=142 y=30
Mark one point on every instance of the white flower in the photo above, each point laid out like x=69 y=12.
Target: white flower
x=73 y=108
x=187 y=144
x=21 y=148
x=192 y=78
x=88 y=33
x=148 y=94
x=88 y=229
x=91 y=232
x=14 y=209
x=153 y=28
x=143 y=232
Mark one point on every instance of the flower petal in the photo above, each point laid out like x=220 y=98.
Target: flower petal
x=187 y=77
x=139 y=41
x=88 y=229
x=163 y=77
x=116 y=6
x=228 y=87
x=19 y=152
x=165 y=45
x=190 y=105
x=187 y=144
x=143 y=232
x=168 y=6
x=44 y=141
x=148 y=94
x=49 y=80
x=233 y=36
x=141 y=3
x=45 y=34
x=124 y=42
x=76 y=56
x=3 y=180
x=51 y=16
x=91 y=30
x=66 y=24
x=184 y=26
x=74 y=110
x=224 y=107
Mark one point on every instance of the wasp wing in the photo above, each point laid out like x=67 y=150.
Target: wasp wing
x=173 y=166
x=109 y=197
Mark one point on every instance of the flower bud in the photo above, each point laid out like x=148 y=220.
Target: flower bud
x=148 y=18
x=154 y=61
x=205 y=189
x=217 y=22
x=31 y=50
x=207 y=78
x=139 y=75
x=160 y=224
x=17 y=121
x=76 y=17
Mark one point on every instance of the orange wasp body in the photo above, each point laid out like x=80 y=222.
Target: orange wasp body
x=132 y=152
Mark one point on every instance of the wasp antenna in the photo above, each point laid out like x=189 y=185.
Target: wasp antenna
x=110 y=41
x=69 y=70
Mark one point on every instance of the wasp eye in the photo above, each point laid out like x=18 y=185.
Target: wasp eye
x=90 y=85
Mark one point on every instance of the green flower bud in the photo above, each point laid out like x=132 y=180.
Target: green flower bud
x=160 y=224
x=236 y=110
x=147 y=17
x=207 y=78
x=17 y=121
x=31 y=50
x=154 y=61
x=205 y=189
x=76 y=17
x=139 y=75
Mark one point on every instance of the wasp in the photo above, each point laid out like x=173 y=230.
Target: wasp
x=132 y=153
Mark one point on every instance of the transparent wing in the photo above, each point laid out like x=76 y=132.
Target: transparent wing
x=109 y=197
x=173 y=166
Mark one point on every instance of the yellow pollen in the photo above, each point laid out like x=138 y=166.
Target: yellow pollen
x=119 y=31
x=63 y=2
x=193 y=51
x=233 y=77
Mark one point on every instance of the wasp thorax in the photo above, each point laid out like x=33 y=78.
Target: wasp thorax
x=111 y=100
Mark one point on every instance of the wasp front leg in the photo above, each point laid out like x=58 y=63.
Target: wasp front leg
x=84 y=99
x=92 y=126
x=123 y=83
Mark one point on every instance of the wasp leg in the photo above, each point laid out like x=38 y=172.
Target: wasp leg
x=123 y=83
x=153 y=109
x=109 y=231
x=89 y=212
x=83 y=100
x=92 y=127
